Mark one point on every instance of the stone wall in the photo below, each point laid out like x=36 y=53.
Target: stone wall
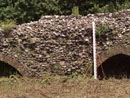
x=63 y=44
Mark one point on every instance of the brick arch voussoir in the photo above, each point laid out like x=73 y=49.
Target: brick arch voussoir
x=9 y=60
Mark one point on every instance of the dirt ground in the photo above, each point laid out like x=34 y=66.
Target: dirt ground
x=63 y=87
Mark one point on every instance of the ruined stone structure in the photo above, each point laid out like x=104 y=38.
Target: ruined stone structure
x=63 y=44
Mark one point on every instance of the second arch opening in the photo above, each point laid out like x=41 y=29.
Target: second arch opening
x=117 y=66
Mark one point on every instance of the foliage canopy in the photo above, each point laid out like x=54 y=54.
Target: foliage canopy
x=29 y=10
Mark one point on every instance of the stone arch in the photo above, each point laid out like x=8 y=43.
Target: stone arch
x=114 y=51
x=13 y=63
x=115 y=63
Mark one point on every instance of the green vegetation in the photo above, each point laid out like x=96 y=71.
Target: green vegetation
x=75 y=11
x=103 y=28
x=7 y=25
x=19 y=51
x=32 y=52
x=50 y=86
x=29 y=10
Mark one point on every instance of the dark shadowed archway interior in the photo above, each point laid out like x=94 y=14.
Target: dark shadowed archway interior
x=117 y=66
x=6 y=70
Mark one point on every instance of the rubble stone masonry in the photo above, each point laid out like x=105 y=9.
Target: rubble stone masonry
x=63 y=44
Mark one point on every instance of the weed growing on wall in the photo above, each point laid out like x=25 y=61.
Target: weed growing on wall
x=7 y=25
x=103 y=28
x=75 y=11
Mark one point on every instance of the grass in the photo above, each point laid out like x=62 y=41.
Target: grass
x=63 y=87
x=103 y=28
x=7 y=25
x=75 y=11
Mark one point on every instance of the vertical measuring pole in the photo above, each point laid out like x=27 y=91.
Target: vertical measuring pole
x=94 y=51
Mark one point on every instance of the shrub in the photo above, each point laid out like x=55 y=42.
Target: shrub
x=7 y=25
x=30 y=10
x=125 y=5
x=75 y=10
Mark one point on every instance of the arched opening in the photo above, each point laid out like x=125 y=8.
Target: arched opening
x=117 y=66
x=6 y=70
